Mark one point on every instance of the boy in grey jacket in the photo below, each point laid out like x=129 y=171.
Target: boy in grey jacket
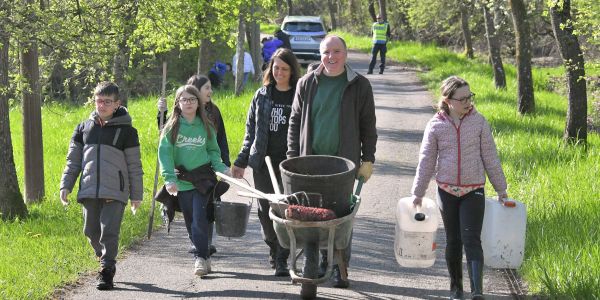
x=105 y=149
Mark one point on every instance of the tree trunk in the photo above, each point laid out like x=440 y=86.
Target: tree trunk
x=371 y=10
x=32 y=120
x=239 y=78
x=290 y=8
x=253 y=37
x=332 y=13
x=570 y=50
x=493 y=45
x=11 y=200
x=464 y=24
x=121 y=58
x=523 y=45
x=382 y=10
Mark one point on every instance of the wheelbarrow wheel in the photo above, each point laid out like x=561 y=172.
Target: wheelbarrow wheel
x=308 y=291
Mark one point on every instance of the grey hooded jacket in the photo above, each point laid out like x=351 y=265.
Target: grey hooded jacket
x=107 y=157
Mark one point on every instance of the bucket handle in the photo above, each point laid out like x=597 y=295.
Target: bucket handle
x=215 y=198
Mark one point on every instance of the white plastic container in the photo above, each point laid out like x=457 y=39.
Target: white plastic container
x=503 y=233
x=414 y=245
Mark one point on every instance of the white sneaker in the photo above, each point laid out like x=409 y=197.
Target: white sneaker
x=201 y=267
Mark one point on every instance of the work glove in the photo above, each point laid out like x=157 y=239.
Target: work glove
x=365 y=170
x=161 y=104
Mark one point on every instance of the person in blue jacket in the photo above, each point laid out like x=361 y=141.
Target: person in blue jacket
x=270 y=45
x=216 y=74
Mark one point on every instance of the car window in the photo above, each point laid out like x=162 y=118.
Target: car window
x=303 y=27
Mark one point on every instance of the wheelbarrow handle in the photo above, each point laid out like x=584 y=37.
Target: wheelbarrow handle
x=361 y=180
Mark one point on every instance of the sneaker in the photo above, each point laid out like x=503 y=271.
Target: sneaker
x=338 y=282
x=211 y=250
x=105 y=278
x=272 y=261
x=201 y=267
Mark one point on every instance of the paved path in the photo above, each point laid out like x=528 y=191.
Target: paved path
x=162 y=269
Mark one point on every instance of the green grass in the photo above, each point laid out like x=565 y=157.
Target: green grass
x=558 y=183
x=48 y=249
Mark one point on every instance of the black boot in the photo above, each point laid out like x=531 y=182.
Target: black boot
x=338 y=281
x=476 y=279
x=272 y=253
x=381 y=70
x=281 y=266
x=105 y=278
x=456 y=279
x=323 y=265
x=370 y=71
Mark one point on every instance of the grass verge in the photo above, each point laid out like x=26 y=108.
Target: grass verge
x=558 y=182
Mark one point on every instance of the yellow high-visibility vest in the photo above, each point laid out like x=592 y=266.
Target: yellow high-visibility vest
x=380 y=32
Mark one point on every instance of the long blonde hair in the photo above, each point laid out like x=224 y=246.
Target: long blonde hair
x=449 y=86
x=172 y=125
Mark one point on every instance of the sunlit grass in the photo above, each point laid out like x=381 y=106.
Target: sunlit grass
x=558 y=182
x=48 y=249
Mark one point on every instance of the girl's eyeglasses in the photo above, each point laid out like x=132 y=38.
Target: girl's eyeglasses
x=469 y=98
x=188 y=100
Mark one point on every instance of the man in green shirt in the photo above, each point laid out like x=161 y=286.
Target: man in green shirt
x=334 y=114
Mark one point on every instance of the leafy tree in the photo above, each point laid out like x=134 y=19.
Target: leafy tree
x=32 y=109
x=562 y=23
x=11 y=200
x=489 y=8
x=526 y=102
x=464 y=24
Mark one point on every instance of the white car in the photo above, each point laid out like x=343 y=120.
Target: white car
x=306 y=33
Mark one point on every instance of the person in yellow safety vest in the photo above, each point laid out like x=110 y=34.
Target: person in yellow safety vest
x=381 y=34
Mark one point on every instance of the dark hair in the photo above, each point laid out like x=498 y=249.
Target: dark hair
x=288 y=57
x=198 y=81
x=447 y=89
x=107 y=88
x=172 y=125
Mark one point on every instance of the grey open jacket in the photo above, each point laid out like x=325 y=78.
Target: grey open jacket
x=358 y=132
x=108 y=158
x=256 y=139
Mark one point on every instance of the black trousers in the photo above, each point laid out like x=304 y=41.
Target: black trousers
x=262 y=182
x=463 y=219
x=382 y=49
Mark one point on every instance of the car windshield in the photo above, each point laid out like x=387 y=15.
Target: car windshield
x=303 y=27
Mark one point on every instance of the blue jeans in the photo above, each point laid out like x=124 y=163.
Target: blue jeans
x=193 y=207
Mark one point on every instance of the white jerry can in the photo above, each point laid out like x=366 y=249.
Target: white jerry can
x=416 y=227
x=503 y=233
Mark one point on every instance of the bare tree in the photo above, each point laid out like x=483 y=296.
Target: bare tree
x=464 y=24
x=524 y=77
x=371 y=9
x=493 y=44
x=570 y=50
x=11 y=200
x=32 y=116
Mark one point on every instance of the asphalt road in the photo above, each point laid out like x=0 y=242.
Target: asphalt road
x=161 y=268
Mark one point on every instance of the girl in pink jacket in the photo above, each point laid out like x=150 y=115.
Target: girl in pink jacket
x=459 y=149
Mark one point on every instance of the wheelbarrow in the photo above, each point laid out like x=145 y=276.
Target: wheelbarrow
x=333 y=235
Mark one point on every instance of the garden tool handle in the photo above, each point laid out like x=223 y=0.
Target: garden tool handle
x=361 y=180
x=272 y=174
x=229 y=179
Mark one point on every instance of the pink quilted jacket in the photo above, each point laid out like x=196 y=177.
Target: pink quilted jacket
x=458 y=154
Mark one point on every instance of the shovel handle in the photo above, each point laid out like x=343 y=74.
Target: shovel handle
x=361 y=180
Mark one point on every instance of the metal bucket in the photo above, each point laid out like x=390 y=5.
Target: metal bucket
x=231 y=218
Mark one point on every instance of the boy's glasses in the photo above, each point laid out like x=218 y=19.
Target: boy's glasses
x=105 y=101
x=188 y=100
x=469 y=98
